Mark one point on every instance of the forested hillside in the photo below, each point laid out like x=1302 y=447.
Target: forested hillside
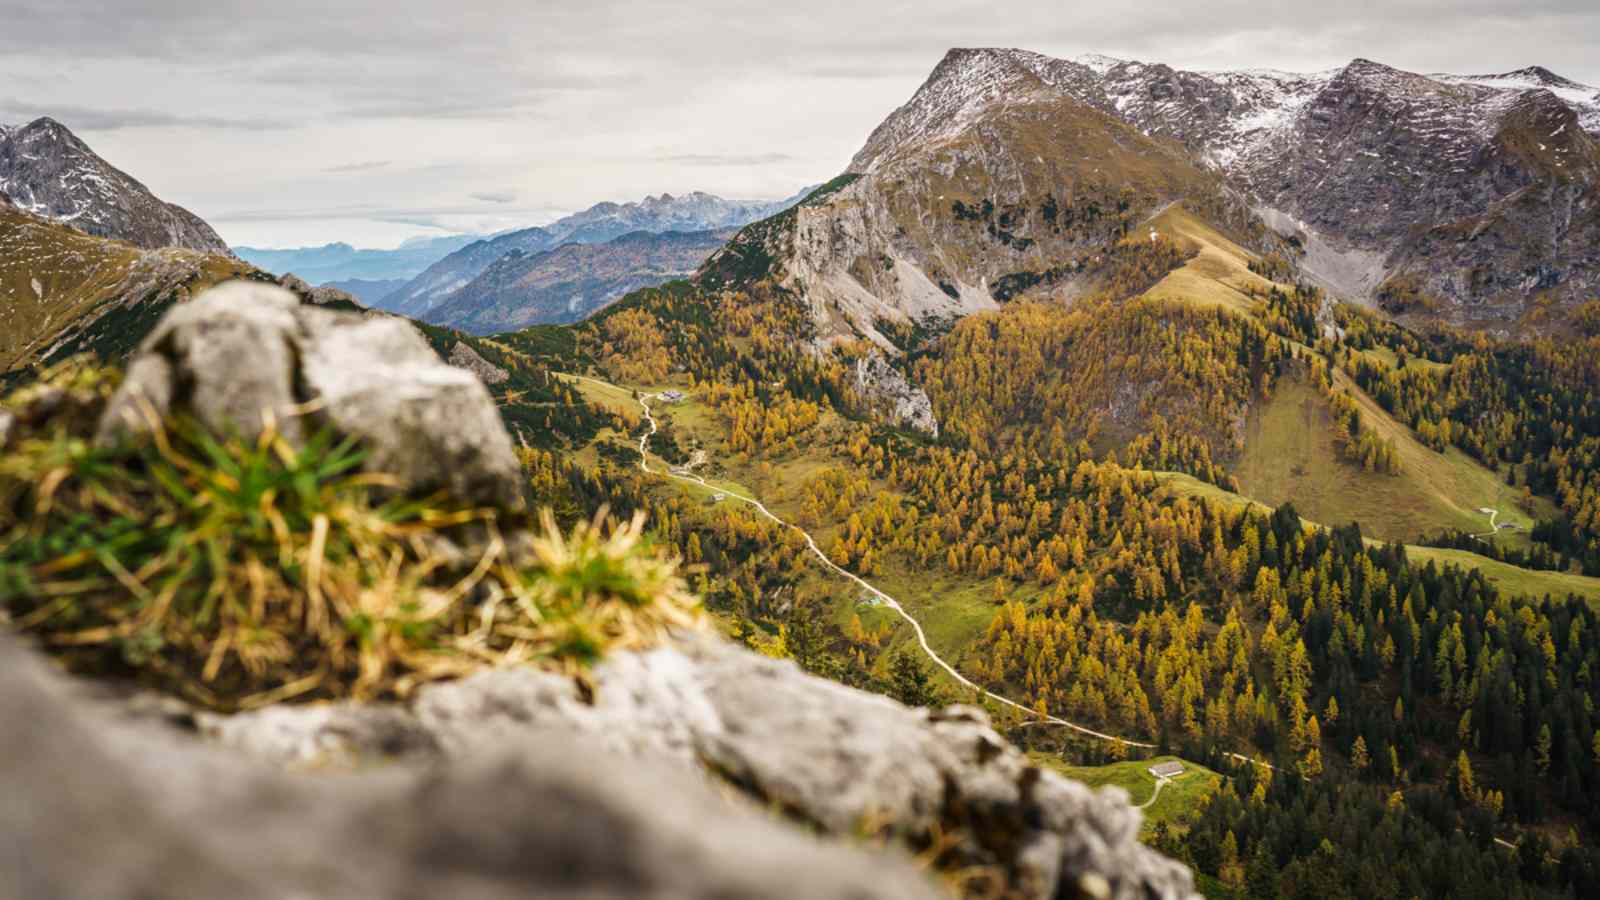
x=1074 y=540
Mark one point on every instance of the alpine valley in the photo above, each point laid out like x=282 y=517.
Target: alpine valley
x=1247 y=421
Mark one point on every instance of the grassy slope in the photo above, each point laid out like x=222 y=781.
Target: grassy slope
x=76 y=275
x=1179 y=800
x=1290 y=452
x=1217 y=274
x=73 y=271
x=1507 y=577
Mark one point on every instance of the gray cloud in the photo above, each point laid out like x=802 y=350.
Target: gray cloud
x=496 y=197
x=726 y=159
x=89 y=118
x=361 y=166
x=430 y=214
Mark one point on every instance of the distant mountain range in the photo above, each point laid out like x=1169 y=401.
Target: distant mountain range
x=552 y=273
x=342 y=262
x=572 y=281
x=368 y=291
x=425 y=275
x=596 y=225
x=47 y=170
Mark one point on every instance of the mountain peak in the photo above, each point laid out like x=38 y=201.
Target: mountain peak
x=1365 y=69
x=965 y=83
x=1099 y=62
x=1540 y=75
x=49 y=171
x=46 y=129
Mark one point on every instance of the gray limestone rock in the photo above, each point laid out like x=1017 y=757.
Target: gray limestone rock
x=245 y=354
x=319 y=296
x=892 y=397
x=100 y=802
x=838 y=759
x=465 y=357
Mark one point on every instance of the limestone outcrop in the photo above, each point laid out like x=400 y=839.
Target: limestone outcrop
x=245 y=355
x=892 y=397
x=106 y=798
x=839 y=760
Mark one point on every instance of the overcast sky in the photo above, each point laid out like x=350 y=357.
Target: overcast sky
x=290 y=123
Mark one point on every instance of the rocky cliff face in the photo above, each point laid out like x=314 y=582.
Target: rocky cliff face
x=600 y=223
x=890 y=397
x=47 y=170
x=571 y=282
x=990 y=182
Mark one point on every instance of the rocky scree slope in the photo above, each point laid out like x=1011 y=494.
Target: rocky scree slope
x=602 y=222
x=48 y=170
x=572 y=281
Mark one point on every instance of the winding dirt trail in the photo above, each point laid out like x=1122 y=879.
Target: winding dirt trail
x=1494 y=528
x=888 y=601
x=1160 y=783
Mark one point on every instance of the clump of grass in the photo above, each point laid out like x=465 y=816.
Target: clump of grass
x=242 y=573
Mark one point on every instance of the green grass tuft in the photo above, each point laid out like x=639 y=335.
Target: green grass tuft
x=239 y=574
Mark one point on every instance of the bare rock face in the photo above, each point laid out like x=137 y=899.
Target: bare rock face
x=834 y=758
x=465 y=357
x=320 y=296
x=47 y=170
x=245 y=355
x=992 y=182
x=892 y=397
x=104 y=802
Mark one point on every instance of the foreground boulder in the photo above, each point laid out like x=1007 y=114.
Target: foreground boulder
x=246 y=356
x=101 y=800
x=839 y=760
